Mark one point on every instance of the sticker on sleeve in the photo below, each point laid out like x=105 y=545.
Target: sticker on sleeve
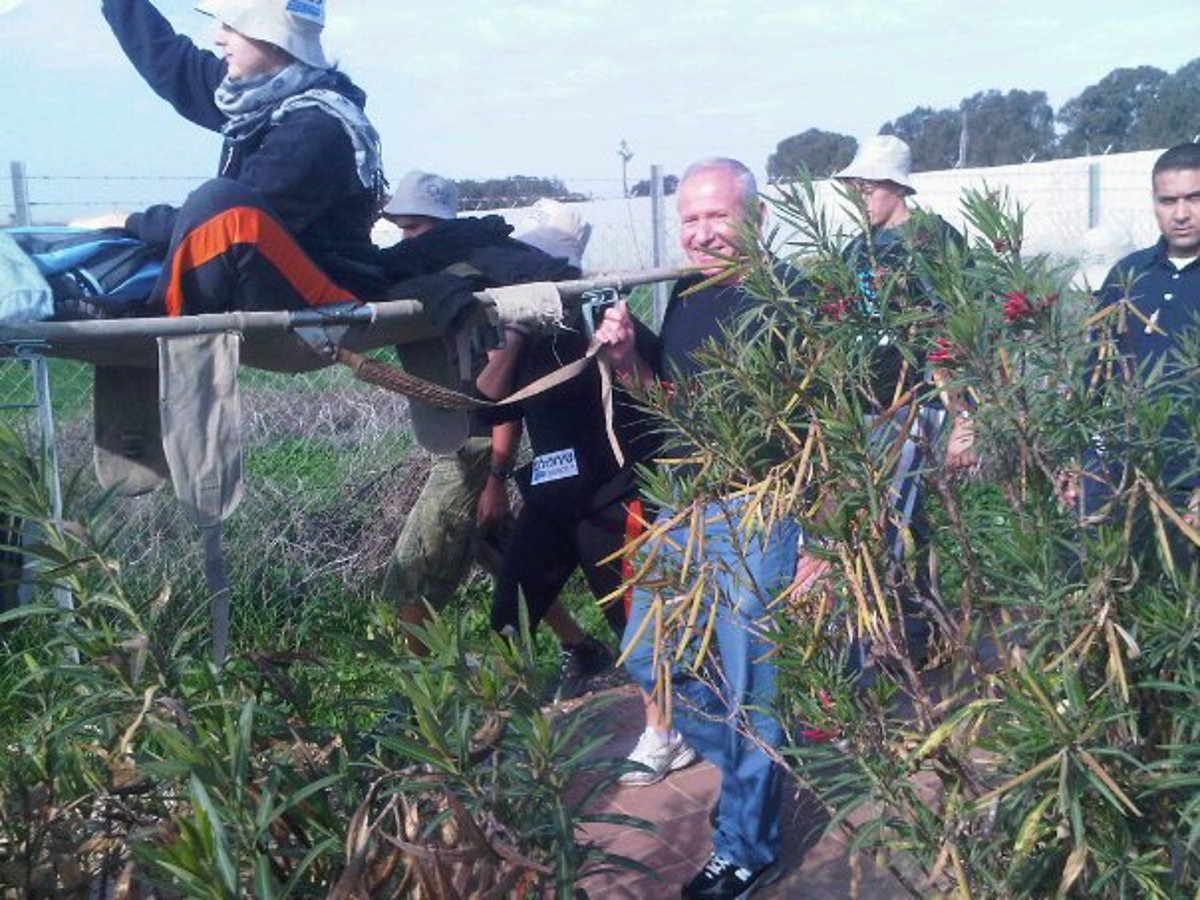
x=554 y=466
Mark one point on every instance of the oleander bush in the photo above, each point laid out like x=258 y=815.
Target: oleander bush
x=1045 y=741
x=134 y=767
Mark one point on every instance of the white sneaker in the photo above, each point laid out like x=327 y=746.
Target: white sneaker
x=659 y=757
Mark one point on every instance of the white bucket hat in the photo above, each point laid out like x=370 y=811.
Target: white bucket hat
x=554 y=228
x=292 y=25
x=424 y=194
x=883 y=157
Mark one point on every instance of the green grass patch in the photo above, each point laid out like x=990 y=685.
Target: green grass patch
x=70 y=385
x=317 y=467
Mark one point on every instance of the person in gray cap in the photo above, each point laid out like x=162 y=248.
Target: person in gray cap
x=287 y=223
x=421 y=202
x=462 y=515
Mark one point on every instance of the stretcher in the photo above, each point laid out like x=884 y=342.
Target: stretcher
x=166 y=404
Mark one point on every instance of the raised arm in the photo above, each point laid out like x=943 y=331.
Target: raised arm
x=175 y=68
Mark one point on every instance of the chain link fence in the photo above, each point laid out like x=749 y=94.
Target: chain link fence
x=331 y=466
x=331 y=470
x=1062 y=199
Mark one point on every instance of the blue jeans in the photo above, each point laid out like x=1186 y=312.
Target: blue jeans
x=727 y=715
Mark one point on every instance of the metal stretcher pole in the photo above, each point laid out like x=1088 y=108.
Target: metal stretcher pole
x=58 y=334
x=216 y=579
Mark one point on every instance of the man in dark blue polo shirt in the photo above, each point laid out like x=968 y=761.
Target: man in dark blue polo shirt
x=1157 y=291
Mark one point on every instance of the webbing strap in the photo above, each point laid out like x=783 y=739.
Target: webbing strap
x=216 y=579
x=391 y=378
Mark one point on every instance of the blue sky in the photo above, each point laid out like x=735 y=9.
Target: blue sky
x=478 y=89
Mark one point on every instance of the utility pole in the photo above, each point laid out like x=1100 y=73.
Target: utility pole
x=962 y=140
x=657 y=220
x=626 y=155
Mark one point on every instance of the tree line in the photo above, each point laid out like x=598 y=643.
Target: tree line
x=521 y=190
x=1129 y=109
x=512 y=191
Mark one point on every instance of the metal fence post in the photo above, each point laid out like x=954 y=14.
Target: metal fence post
x=41 y=386
x=657 y=225
x=20 y=192
x=1093 y=172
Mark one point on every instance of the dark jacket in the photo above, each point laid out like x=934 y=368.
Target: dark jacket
x=459 y=256
x=898 y=257
x=697 y=317
x=303 y=166
x=484 y=244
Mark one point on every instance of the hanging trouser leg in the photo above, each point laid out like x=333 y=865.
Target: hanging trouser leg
x=229 y=252
x=201 y=422
x=127 y=448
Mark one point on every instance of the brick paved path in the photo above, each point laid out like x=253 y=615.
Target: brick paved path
x=679 y=805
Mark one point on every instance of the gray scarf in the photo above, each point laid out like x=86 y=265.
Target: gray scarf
x=252 y=104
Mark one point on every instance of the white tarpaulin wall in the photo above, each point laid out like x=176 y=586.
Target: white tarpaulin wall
x=1057 y=196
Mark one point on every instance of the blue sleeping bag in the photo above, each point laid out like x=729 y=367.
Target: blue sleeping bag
x=93 y=273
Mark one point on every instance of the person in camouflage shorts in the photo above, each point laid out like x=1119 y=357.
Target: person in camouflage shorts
x=462 y=515
x=442 y=536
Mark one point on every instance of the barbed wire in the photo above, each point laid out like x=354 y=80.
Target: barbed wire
x=123 y=204
x=198 y=178
x=467 y=204
x=190 y=178
x=46 y=181
x=479 y=204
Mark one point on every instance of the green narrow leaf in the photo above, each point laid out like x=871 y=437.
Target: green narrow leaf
x=217 y=839
x=265 y=885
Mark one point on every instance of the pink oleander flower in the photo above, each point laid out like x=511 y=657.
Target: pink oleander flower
x=1018 y=307
x=944 y=351
x=835 y=308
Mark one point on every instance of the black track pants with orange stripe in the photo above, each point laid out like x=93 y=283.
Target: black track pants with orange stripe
x=544 y=551
x=229 y=252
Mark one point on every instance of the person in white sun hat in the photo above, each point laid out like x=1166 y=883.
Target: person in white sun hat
x=888 y=261
x=555 y=228
x=287 y=222
x=881 y=173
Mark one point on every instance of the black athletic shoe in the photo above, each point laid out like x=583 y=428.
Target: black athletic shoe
x=721 y=879
x=580 y=663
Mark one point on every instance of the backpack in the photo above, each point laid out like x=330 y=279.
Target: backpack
x=93 y=273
